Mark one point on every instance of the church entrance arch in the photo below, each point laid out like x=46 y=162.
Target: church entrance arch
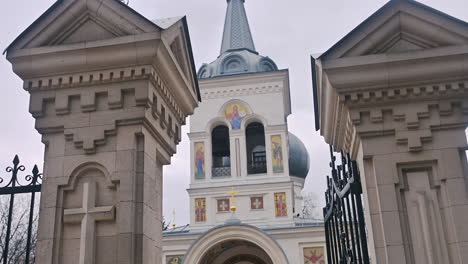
x=236 y=252
x=235 y=244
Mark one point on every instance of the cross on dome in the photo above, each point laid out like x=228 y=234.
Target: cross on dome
x=233 y=199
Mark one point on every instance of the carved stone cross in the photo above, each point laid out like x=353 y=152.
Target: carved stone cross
x=88 y=215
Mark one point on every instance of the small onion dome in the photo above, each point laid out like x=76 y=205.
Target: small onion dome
x=299 y=161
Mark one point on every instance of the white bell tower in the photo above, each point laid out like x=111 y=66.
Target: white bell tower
x=239 y=136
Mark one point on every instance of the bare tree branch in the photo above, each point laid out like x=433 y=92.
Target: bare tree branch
x=19 y=228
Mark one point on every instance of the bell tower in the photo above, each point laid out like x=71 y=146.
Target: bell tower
x=239 y=136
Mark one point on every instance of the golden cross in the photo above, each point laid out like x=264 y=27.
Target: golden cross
x=173 y=218
x=233 y=199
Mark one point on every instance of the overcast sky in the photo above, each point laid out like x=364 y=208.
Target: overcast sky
x=287 y=31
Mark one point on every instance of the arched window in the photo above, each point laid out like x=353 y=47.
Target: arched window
x=256 y=154
x=233 y=64
x=221 y=152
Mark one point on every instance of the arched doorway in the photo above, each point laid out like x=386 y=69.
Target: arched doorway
x=235 y=244
x=236 y=252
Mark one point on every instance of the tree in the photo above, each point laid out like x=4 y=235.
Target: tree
x=312 y=209
x=19 y=229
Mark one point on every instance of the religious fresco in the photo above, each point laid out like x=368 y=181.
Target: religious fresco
x=174 y=259
x=224 y=205
x=200 y=210
x=277 y=154
x=314 y=255
x=281 y=207
x=235 y=113
x=200 y=161
x=256 y=203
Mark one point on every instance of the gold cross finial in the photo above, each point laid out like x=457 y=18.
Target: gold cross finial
x=173 y=218
x=233 y=199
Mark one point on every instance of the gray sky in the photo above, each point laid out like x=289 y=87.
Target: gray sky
x=287 y=31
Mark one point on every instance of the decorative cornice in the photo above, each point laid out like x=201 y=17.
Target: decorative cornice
x=411 y=124
x=198 y=136
x=86 y=79
x=418 y=92
x=240 y=91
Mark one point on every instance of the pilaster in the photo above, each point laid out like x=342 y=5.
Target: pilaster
x=401 y=112
x=407 y=139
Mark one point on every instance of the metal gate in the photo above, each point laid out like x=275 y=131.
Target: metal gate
x=344 y=214
x=11 y=186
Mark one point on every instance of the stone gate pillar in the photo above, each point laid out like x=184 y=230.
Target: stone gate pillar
x=394 y=93
x=110 y=91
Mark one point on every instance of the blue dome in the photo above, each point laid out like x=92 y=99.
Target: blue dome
x=299 y=162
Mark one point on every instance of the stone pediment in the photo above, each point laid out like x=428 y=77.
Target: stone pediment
x=85 y=31
x=88 y=28
x=77 y=21
x=401 y=26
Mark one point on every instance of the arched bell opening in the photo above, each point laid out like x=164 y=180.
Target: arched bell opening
x=236 y=252
x=256 y=152
x=221 y=152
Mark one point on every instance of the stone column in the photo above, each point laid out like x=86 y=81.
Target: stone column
x=403 y=118
x=109 y=112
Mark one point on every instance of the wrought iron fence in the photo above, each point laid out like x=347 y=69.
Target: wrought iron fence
x=344 y=214
x=14 y=185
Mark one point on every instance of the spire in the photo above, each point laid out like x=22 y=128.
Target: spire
x=237 y=33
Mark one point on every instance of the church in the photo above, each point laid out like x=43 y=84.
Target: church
x=247 y=169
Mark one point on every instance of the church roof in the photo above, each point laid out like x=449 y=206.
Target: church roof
x=166 y=23
x=238 y=54
x=237 y=33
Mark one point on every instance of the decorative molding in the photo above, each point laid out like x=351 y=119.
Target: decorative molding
x=233 y=92
x=414 y=139
x=198 y=135
x=419 y=92
x=276 y=129
x=89 y=138
x=419 y=119
x=40 y=88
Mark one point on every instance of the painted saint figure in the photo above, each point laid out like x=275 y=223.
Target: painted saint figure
x=200 y=210
x=235 y=114
x=314 y=256
x=235 y=118
x=277 y=154
x=280 y=205
x=199 y=161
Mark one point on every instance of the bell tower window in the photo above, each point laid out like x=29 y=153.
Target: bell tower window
x=221 y=152
x=256 y=152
